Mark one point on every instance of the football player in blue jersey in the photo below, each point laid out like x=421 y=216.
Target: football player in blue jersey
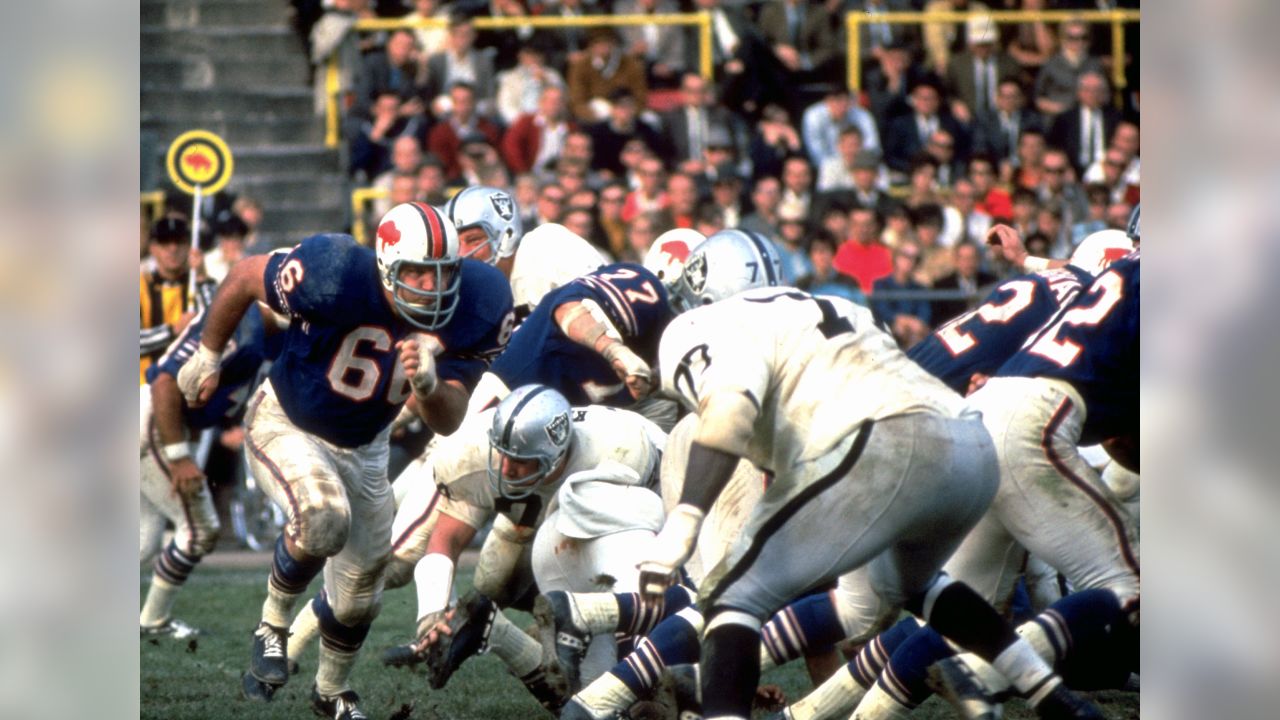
x=173 y=485
x=370 y=330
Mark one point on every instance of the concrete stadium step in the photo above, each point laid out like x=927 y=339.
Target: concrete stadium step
x=263 y=132
x=178 y=14
x=230 y=104
x=221 y=43
x=199 y=73
x=284 y=190
x=305 y=218
x=286 y=160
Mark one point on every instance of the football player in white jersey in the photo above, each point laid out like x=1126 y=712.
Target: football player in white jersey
x=878 y=468
x=570 y=490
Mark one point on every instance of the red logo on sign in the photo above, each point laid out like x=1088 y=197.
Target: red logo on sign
x=388 y=233
x=198 y=162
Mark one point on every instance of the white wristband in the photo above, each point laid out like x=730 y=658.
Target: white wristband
x=1035 y=264
x=176 y=451
x=433 y=576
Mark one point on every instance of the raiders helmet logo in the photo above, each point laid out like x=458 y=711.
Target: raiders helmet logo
x=695 y=272
x=503 y=206
x=558 y=430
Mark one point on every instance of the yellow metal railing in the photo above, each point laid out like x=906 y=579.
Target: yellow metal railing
x=154 y=202
x=1117 y=19
x=360 y=197
x=700 y=19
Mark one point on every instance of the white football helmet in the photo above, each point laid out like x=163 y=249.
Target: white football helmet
x=668 y=254
x=728 y=263
x=534 y=422
x=492 y=209
x=416 y=235
x=1100 y=249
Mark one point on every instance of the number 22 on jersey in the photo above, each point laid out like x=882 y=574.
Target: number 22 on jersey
x=1109 y=288
x=957 y=340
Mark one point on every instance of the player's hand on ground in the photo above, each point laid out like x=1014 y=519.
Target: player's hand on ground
x=186 y=476
x=431 y=627
x=1009 y=242
x=670 y=549
x=770 y=698
x=198 y=377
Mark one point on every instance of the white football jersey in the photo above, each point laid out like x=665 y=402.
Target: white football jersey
x=601 y=436
x=549 y=256
x=816 y=367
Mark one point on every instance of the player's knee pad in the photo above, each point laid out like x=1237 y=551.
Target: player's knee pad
x=337 y=630
x=398 y=573
x=202 y=536
x=352 y=609
x=323 y=529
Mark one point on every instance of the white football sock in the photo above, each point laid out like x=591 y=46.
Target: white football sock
x=334 y=671
x=597 y=613
x=159 y=604
x=277 y=609
x=513 y=646
x=303 y=631
x=836 y=697
x=878 y=704
x=605 y=696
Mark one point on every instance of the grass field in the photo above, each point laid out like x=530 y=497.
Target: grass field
x=199 y=680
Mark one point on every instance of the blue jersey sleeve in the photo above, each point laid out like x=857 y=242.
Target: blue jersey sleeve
x=1094 y=344
x=981 y=340
x=324 y=279
x=480 y=328
x=633 y=298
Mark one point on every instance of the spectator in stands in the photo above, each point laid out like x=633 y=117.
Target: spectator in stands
x=747 y=73
x=942 y=149
x=567 y=45
x=682 y=194
x=1049 y=223
x=165 y=304
x=229 y=232
x=862 y=256
x=726 y=194
x=504 y=44
x=662 y=49
x=765 y=197
x=572 y=177
x=922 y=184
x=797 y=185
x=993 y=200
x=536 y=140
x=641 y=232
x=393 y=71
x=898 y=227
x=708 y=219
x=650 y=194
x=431 y=180
x=525 y=193
x=596 y=77
x=404 y=188
x=888 y=84
x=907 y=319
x=521 y=90
x=612 y=198
x=476 y=159
x=823 y=121
x=1030 y=44
x=1027 y=170
x=774 y=139
x=719 y=154
x=801 y=35
x=877 y=40
x=582 y=222
x=834 y=218
x=623 y=124
x=1098 y=198
x=463 y=120
x=823 y=278
x=1083 y=130
x=332 y=35
x=551 y=200
x=688 y=128
x=406 y=155
x=1113 y=172
x=936 y=261
x=837 y=173
x=942 y=40
x=460 y=62
x=974 y=76
x=909 y=134
x=633 y=154
x=998 y=132
x=371 y=146
x=790 y=244
x=1058 y=81
x=1127 y=140
x=1025 y=208
x=250 y=211
x=1057 y=184
x=579 y=147
x=434 y=39
x=1118 y=215
x=967 y=278
x=962 y=220
x=869 y=178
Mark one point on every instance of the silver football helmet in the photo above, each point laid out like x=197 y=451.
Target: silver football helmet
x=415 y=237
x=728 y=263
x=533 y=423
x=492 y=209
x=1134 y=229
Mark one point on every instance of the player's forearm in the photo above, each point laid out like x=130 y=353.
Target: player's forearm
x=242 y=287
x=166 y=409
x=446 y=406
x=449 y=537
x=706 y=475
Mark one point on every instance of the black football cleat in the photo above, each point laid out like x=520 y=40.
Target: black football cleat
x=343 y=706
x=470 y=625
x=564 y=644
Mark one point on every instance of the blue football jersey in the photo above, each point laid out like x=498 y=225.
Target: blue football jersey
x=635 y=302
x=1093 y=344
x=981 y=340
x=244 y=355
x=339 y=375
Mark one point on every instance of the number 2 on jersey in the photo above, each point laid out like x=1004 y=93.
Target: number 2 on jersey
x=958 y=341
x=1109 y=288
x=648 y=297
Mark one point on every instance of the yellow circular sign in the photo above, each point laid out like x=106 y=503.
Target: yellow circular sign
x=198 y=157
